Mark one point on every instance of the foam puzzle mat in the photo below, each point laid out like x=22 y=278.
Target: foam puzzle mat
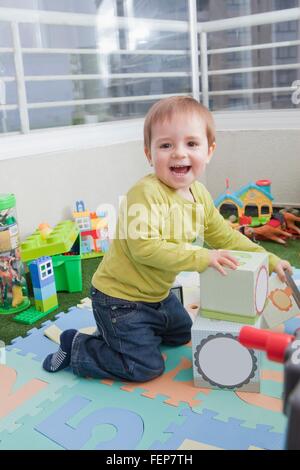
x=61 y=411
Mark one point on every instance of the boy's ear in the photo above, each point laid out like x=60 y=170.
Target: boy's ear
x=211 y=150
x=148 y=155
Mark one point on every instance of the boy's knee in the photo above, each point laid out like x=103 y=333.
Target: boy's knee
x=177 y=341
x=146 y=373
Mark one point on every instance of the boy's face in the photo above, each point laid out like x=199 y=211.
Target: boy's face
x=179 y=150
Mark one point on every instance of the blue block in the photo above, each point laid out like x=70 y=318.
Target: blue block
x=45 y=292
x=42 y=272
x=104 y=245
x=85 y=247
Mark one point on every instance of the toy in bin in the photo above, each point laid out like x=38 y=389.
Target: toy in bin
x=13 y=288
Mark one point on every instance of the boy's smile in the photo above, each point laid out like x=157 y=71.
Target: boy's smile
x=180 y=170
x=179 y=150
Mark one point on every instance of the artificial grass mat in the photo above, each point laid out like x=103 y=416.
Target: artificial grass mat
x=10 y=329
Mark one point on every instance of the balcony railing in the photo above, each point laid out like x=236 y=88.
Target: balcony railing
x=199 y=75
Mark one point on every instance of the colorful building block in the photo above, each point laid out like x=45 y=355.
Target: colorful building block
x=47 y=305
x=219 y=360
x=45 y=292
x=43 y=281
x=93 y=228
x=104 y=245
x=41 y=271
x=242 y=292
x=59 y=241
x=30 y=316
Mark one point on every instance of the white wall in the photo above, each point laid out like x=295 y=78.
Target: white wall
x=47 y=186
x=249 y=155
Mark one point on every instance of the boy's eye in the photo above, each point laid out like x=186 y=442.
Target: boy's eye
x=193 y=144
x=165 y=146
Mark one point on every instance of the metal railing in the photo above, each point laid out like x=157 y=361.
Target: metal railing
x=15 y=17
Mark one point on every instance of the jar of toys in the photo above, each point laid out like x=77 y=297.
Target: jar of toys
x=13 y=288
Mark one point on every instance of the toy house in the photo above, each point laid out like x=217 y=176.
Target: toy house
x=93 y=229
x=252 y=201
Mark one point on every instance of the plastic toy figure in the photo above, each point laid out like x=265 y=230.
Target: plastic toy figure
x=10 y=281
x=280 y=228
x=284 y=348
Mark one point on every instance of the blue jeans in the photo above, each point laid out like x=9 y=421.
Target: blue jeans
x=126 y=345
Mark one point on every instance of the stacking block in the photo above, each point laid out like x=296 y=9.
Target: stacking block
x=41 y=271
x=30 y=316
x=47 y=305
x=45 y=292
x=60 y=240
x=104 y=245
x=242 y=292
x=229 y=317
x=219 y=360
x=281 y=305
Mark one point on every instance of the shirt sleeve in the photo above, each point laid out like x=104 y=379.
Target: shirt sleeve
x=219 y=234
x=145 y=241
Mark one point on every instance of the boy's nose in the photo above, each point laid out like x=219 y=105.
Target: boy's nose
x=179 y=152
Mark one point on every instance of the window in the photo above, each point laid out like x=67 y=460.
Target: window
x=227 y=210
x=237 y=103
x=237 y=81
x=282 y=4
x=265 y=210
x=286 y=77
x=114 y=58
x=251 y=210
x=110 y=68
x=286 y=27
x=285 y=53
x=46 y=270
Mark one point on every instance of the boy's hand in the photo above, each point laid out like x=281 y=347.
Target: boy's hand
x=219 y=258
x=282 y=266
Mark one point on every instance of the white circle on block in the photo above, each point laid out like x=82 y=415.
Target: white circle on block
x=261 y=289
x=225 y=362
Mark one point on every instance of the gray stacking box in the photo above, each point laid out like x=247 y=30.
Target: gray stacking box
x=219 y=360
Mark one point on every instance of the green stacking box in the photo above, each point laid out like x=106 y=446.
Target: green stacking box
x=67 y=270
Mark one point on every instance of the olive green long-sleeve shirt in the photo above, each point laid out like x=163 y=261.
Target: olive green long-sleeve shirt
x=154 y=241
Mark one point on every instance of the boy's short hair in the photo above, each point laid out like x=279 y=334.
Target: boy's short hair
x=165 y=108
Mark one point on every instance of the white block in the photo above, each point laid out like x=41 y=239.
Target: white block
x=281 y=305
x=243 y=291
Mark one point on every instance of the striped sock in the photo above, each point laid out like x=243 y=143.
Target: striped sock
x=61 y=359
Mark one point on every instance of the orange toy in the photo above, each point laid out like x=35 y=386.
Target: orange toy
x=276 y=230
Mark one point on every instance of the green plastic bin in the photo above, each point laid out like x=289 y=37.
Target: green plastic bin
x=67 y=270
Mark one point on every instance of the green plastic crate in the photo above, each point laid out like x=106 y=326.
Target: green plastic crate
x=59 y=241
x=67 y=270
